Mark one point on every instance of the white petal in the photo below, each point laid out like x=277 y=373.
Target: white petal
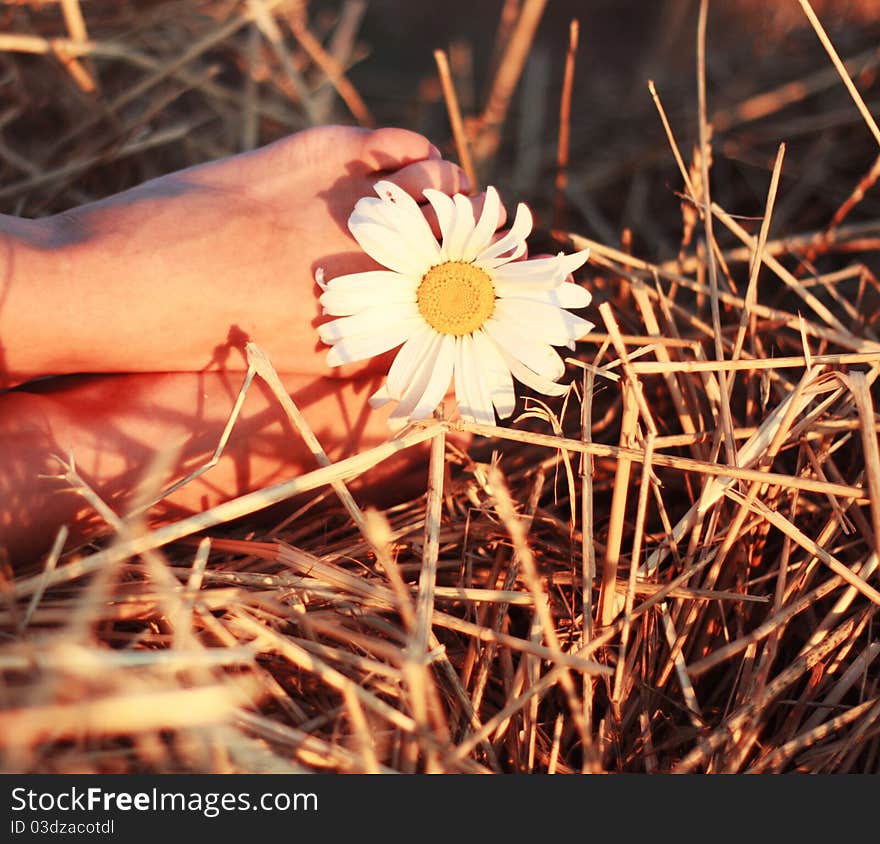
x=534 y=353
x=537 y=272
x=408 y=358
x=431 y=381
x=441 y=377
x=571 y=295
x=372 y=210
x=471 y=410
x=574 y=261
x=471 y=390
x=372 y=343
x=340 y=304
x=390 y=193
x=387 y=247
x=481 y=236
x=377 y=318
x=462 y=229
x=490 y=264
x=444 y=207
x=397 y=211
x=497 y=373
x=531 y=379
x=419 y=376
x=462 y=393
x=545 y=322
x=349 y=294
x=367 y=282
x=514 y=239
x=409 y=219
x=482 y=405
x=566 y=295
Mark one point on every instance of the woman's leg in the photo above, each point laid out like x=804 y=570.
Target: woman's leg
x=172 y=275
x=117 y=427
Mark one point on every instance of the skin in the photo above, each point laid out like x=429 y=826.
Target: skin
x=155 y=292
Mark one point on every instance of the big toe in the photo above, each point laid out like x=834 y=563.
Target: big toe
x=361 y=152
x=391 y=149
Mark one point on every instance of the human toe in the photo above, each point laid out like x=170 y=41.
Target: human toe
x=436 y=174
x=392 y=149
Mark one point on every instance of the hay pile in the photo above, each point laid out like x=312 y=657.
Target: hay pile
x=676 y=571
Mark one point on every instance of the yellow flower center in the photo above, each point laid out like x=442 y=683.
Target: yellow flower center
x=456 y=297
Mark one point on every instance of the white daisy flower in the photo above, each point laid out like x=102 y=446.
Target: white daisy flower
x=464 y=310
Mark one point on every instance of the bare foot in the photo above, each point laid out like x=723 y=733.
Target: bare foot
x=176 y=274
